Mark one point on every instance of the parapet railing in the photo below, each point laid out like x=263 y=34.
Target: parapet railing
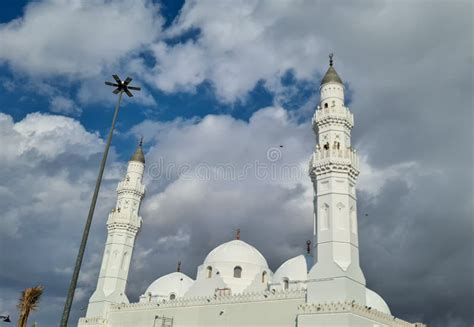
x=361 y=310
x=92 y=320
x=339 y=156
x=128 y=186
x=216 y=299
x=337 y=113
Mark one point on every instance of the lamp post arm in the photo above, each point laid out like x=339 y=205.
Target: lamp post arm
x=80 y=254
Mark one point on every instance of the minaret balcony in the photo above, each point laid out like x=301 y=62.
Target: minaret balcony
x=133 y=187
x=333 y=115
x=123 y=220
x=340 y=160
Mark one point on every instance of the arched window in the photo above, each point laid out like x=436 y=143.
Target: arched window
x=286 y=283
x=237 y=272
x=172 y=296
x=326 y=105
x=209 y=272
x=264 y=277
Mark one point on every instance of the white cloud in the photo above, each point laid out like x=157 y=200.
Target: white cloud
x=45 y=137
x=33 y=176
x=240 y=43
x=77 y=38
x=49 y=166
x=63 y=105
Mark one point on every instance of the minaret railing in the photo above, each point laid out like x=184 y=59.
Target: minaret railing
x=323 y=115
x=346 y=156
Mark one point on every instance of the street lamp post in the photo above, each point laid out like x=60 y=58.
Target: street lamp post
x=121 y=88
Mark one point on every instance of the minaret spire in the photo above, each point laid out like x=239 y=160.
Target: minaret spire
x=336 y=274
x=123 y=225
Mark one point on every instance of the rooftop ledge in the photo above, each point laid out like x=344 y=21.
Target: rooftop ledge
x=217 y=299
x=361 y=310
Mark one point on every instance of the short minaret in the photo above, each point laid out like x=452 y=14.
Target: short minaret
x=123 y=226
x=336 y=274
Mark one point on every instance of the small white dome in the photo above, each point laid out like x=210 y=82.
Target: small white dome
x=294 y=269
x=175 y=283
x=375 y=301
x=236 y=251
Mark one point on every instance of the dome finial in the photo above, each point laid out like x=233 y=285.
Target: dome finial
x=237 y=234
x=308 y=246
x=138 y=155
x=178 y=269
x=331 y=74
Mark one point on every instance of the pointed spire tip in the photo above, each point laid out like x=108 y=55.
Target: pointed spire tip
x=138 y=155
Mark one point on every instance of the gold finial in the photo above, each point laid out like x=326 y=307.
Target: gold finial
x=330 y=59
x=141 y=141
x=308 y=246
x=237 y=234
x=178 y=269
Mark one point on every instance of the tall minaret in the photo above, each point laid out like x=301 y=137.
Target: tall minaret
x=336 y=274
x=123 y=225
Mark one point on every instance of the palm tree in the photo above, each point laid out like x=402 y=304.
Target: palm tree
x=28 y=302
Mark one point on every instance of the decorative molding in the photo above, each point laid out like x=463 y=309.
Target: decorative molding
x=334 y=115
x=352 y=307
x=211 y=300
x=332 y=160
x=92 y=321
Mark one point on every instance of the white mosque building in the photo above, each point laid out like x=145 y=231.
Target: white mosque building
x=234 y=285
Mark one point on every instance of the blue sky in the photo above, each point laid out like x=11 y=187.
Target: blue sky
x=96 y=116
x=224 y=83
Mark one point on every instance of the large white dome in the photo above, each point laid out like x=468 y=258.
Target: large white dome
x=293 y=269
x=175 y=283
x=236 y=251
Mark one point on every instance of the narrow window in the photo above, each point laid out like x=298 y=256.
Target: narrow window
x=326 y=105
x=237 y=272
x=286 y=283
x=324 y=217
x=124 y=261
x=115 y=259
x=209 y=272
x=264 y=277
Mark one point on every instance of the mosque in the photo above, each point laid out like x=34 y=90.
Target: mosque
x=234 y=285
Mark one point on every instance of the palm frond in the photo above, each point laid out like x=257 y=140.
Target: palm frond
x=29 y=301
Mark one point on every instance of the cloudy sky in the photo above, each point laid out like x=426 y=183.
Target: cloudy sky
x=224 y=84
